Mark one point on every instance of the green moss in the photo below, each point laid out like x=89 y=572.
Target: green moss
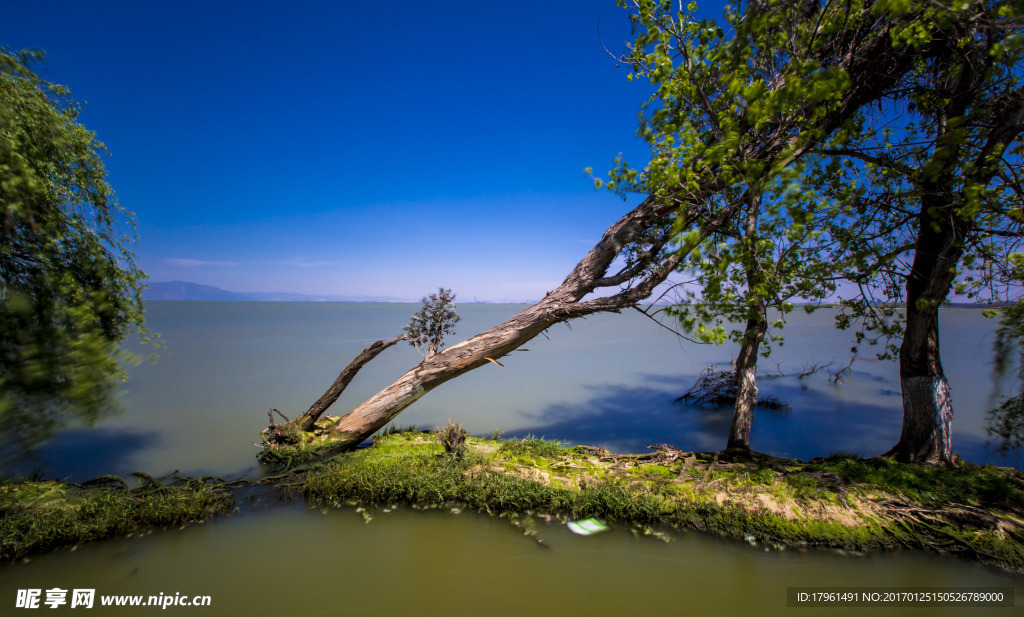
x=657 y=471
x=968 y=484
x=42 y=516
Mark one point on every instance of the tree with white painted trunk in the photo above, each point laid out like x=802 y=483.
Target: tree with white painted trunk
x=774 y=250
x=941 y=207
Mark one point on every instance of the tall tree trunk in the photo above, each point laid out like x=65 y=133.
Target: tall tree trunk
x=757 y=326
x=746 y=382
x=947 y=217
x=927 y=403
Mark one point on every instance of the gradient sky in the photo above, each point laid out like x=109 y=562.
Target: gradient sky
x=352 y=148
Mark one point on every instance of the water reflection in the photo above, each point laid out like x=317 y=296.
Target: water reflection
x=77 y=455
x=628 y=419
x=818 y=422
x=610 y=381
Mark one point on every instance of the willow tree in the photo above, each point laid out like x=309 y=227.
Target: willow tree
x=69 y=288
x=747 y=128
x=941 y=200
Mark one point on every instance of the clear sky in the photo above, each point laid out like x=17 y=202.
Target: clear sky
x=352 y=148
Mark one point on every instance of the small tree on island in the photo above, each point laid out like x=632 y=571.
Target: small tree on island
x=431 y=323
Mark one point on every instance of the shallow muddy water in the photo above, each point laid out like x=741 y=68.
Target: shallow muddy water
x=297 y=561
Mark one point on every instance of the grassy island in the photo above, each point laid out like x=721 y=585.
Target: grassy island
x=843 y=502
x=39 y=516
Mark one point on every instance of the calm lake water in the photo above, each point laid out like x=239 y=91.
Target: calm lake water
x=609 y=380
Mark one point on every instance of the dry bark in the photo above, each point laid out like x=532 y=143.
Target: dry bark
x=562 y=304
x=757 y=326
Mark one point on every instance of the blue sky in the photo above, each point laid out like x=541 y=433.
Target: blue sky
x=352 y=148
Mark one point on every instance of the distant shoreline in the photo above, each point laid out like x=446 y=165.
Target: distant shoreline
x=181 y=291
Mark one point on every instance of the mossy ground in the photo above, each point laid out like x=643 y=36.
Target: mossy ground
x=39 y=516
x=840 y=502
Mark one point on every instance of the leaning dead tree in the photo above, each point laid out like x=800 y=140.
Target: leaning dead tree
x=640 y=250
x=309 y=418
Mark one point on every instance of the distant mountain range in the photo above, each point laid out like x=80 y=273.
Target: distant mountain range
x=180 y=290
x=193 y=292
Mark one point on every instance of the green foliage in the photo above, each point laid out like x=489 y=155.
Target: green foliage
x=69 y=288
x=774 y=255
x=736 y=101
x=431 y=323
x=761 y=109
x=936 y=171
x=735 y=108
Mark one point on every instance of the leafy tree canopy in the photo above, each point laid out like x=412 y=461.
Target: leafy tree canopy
x=69 y=287
x=944 y=160
x=738 y=107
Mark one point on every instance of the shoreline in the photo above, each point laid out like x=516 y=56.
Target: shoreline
x=845 y=503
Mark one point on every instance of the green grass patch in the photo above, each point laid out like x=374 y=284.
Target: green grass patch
x=533 y=446
x=425 y=476
x=40 y=516
x=969 y=484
